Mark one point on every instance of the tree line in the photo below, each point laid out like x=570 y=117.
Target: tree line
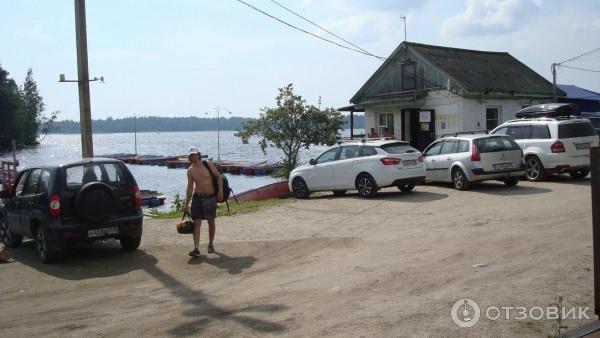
x=165 y=124
x=21 y=112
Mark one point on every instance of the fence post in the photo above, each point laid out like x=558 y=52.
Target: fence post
x=595 y=164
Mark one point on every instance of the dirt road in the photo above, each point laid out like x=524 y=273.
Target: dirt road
x=389 y=266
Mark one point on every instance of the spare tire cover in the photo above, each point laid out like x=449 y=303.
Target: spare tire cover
x=95 y=202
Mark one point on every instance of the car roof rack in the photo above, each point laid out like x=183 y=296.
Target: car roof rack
x=468 y=132
x=553 y=110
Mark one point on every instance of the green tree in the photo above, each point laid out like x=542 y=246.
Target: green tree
x=33 y=109
x=11 y=107
x=291 y=126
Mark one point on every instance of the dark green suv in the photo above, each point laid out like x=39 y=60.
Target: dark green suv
x=85 y=201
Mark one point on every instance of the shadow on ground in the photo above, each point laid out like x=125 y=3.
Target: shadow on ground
x=106 y=259
x=567 y=179
x=100 y=259
x=414 y=196
x=497 y=188
x=233 y=265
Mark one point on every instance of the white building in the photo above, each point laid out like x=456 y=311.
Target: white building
x=422 y=92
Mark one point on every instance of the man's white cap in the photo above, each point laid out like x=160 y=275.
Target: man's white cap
x=193 y=150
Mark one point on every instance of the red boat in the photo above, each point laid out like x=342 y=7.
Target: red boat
x=275 y=190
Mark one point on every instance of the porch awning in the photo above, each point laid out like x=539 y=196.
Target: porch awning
x=355 y=108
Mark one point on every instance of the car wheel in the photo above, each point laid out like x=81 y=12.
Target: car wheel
x=535 y=170
x=579 y=173
x=42 y=245
x=129 y=243
x=366 y=185
x=339 y=193
x=511 y=181
x=300 y=188
x=408 y=187
x=7 y=237
x=459 y=180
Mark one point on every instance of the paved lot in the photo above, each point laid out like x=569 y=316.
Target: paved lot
x=389 y=266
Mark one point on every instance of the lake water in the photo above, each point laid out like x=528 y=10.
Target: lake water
x=62 y=148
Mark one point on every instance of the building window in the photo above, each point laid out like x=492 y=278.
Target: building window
x=386 y=124
x=409 y=80
x=492 y=117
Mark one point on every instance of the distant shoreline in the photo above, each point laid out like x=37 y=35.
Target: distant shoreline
x=167 y=124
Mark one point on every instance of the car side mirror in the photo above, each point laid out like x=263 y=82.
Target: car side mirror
x=312 y=161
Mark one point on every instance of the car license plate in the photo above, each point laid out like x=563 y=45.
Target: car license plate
x=501 y=166
x=409 y=162
x=582 y=145
x=103 y=232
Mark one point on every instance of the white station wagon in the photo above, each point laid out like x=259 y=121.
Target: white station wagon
x=463 y=159
x=365 y=166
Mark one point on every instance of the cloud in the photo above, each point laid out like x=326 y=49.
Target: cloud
x=491 y=17
x=591 y=26
x=373 y=30
x=33 y=32
x=349 y=6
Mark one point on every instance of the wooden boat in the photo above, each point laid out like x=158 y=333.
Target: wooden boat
x=152 y=198
x=275 y=190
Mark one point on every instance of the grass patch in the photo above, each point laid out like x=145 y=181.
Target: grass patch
x=243 y=208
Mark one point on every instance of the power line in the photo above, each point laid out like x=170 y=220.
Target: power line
x=304 y=31
x=578 y=56
x=584 y=69
x=320 y=27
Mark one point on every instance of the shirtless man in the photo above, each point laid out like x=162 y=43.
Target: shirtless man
x=204 y=202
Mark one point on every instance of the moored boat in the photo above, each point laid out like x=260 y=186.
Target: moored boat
x=274 y=190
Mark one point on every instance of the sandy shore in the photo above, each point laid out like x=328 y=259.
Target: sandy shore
x=389 y=266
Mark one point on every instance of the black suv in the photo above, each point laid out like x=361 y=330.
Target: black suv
x=85 y=201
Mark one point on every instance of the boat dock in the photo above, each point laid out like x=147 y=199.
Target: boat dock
x=181 y=162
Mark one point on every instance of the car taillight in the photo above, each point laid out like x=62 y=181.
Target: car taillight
x=557 y=147
x=54 y=206
x=475 y=153
x=390 y=161
x=420 y=159
x=137 y=196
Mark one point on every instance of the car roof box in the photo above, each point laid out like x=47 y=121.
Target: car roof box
x=548 y=110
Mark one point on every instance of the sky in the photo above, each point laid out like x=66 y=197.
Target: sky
x=185 y=57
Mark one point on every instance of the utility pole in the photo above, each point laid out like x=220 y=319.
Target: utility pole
x=554 y=65
x=85 y=113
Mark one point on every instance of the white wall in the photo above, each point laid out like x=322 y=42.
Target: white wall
x=447 y=108
x=458 y=113
x=474 y=116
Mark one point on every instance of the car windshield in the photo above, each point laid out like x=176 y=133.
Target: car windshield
x=495 y=144
x=398 y=148
x=578 y=129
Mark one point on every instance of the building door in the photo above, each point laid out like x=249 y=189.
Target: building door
x=386 y=125
x=418 y=127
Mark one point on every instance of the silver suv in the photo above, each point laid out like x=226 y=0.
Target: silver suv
x=555 y=144
x=462 y=159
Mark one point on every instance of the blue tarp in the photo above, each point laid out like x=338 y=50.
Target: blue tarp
x=586 y=100
x=574 y=92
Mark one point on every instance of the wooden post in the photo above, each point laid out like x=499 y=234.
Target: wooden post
x=83 y=78
x=595 y=164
